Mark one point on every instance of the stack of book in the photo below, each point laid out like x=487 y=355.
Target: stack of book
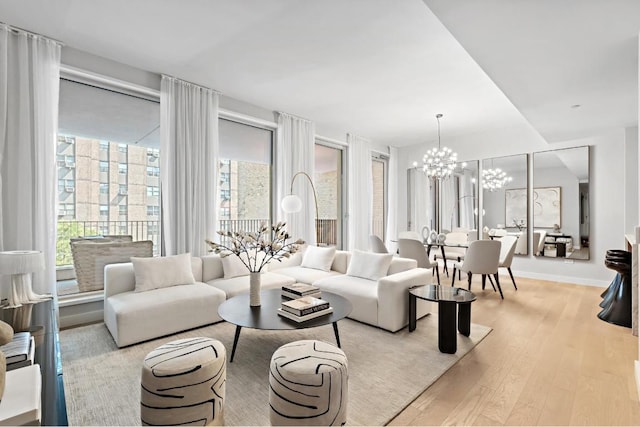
x=19 y=352
x=298 y=290
x=305 y=308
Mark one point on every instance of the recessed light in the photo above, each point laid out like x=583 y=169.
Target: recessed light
x=576 y=106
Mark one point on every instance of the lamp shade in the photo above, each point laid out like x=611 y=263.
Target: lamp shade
x=291 y=203
x=19 y=262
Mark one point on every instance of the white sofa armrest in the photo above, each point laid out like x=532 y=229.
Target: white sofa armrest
x=118 y=278
x=393 y=296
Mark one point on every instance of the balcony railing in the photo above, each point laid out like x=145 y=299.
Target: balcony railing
x=150 y=230
x=139 y=230
x=327 y=228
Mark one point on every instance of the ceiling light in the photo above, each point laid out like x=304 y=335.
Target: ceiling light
x=439 y=163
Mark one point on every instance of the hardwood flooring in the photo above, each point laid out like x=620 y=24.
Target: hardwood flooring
x=548 y=361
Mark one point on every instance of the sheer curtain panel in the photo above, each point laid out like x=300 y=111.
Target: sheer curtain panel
x=295 y=153
x=360 y=192
x=392 y=200
x=29 y=86
x=188 y=170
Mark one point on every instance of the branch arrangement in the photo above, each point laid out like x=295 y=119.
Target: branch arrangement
x=258 y=247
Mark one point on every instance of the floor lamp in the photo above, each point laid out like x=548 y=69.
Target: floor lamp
x=20 y=265
x=292 y=203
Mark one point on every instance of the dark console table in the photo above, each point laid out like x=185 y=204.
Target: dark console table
x=41 y=320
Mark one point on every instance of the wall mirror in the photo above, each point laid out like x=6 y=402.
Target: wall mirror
x=459 y=200
x=505 y=199
x=443 y=205
x=561 y=203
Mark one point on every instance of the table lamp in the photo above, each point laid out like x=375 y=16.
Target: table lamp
x=20 y=265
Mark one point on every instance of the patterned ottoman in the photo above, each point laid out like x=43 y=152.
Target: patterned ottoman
x=183 y=382
x=308 y=384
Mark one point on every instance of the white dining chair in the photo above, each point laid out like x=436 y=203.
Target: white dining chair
x=507 y=249
x=482 y=257
x=410 y=248
x=377 y=245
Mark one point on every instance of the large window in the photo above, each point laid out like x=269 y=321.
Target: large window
x=244 y=176
x=328 y=183
x=379 y=213
x=107 y=156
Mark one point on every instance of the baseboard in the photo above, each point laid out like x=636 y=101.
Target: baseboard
x=564 y=279
x=78 y=319
x=637 y=371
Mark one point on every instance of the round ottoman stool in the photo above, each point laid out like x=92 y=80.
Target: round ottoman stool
x=308 y=384
x=183 y=382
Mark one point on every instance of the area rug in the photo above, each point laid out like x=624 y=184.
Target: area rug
x=387 y=371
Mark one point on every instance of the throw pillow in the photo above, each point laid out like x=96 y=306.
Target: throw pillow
x=233 y=267
x=369 y=265
x=161 y=272
x=318 y=258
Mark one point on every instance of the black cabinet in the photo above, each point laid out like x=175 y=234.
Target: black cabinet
x=41 y=320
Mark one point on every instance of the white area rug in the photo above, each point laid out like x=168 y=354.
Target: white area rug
x=387 y=371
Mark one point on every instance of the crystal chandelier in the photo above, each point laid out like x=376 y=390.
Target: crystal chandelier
x=439 y=163
x=494 y=179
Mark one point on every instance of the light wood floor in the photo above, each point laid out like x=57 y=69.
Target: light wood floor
x=548 y=361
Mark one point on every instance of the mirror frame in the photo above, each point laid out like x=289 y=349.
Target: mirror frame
x=556 y=242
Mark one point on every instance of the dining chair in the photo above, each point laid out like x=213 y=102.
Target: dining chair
x=453 y=253
x=377 y=245
x=413 y=249
x=482 y=257
x=507 y=249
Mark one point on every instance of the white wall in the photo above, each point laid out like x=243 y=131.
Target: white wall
x=631 y=179
x=569 y=198
x=607 y=195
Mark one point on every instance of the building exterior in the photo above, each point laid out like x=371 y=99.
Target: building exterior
x=106 y=188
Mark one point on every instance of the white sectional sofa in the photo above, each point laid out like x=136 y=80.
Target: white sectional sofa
x=133 y=317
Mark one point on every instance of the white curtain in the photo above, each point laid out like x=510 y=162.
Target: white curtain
x=29 y=86
x=360 y=192
x=392 y=201
x=295 y=153
x=188 y=166
x=449 y=204
x=467 y=201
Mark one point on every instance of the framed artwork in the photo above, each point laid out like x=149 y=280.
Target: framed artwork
x=547 y=207
x=515 y=207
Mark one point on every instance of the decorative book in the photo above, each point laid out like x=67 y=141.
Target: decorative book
x=18 y=349
x=299 y=319
x=300 y=289
x=294 y=296
x=25 y=362
x=305 y=305
x=21 y=403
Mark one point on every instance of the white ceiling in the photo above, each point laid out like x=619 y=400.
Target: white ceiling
x=548 y=55
x=378 y=68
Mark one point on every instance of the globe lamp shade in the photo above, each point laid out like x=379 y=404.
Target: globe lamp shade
x=291 y=203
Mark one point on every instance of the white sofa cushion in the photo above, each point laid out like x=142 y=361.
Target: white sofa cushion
x=362 y=293
x=233 y=266
x=238 y=285
x=318 y=258
x=162 y=272
x=369 y=265
x=306 y=275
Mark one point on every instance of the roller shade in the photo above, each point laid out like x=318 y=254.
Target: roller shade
x=244 y=142
x=99 y=113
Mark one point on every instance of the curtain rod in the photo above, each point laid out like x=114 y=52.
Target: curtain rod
x=18 y=30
